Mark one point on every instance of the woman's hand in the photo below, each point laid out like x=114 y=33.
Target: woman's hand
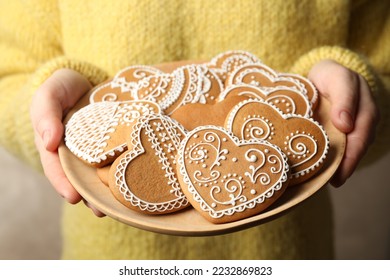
x=52 y=100
x=353 y=111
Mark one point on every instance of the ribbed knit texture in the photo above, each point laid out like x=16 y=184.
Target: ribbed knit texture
x=98 y=38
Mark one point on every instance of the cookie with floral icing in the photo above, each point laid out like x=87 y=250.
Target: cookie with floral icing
x=288 y=100
x=261 y=75
x=227 y=179
x=193 y=115
x=144 y=177
x=97 y=133
x=186 y=84
x=303 y=140
x=121 y=86
x=226 y=62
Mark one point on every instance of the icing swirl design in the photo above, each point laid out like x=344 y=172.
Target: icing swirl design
x=226 y=62
x=286 y=99
x=262 y=76
x=303 y=140
x=225 y=176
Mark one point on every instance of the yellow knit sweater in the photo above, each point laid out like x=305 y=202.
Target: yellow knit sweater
x=98 y=38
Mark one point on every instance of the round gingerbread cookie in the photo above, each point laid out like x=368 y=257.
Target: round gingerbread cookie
x=144 y=177
x=303 y=140
x=227 y=179
x=97 y=133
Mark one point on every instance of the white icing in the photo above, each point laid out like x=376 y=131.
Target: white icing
x=228 y=61
x=167 y=89
x=228 y=192
x=297 y=151
x=149 y=124
x=90 y=128
x=311 y=86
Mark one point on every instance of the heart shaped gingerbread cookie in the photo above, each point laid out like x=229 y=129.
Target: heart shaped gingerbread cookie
x=227 y=179
x=261 y=75
x=144 y=177
x=121 y=86
x=288 y=100
x=98 y=132
x=186 y=84
x=303 y=140
x=225 y=63
x=193 y=115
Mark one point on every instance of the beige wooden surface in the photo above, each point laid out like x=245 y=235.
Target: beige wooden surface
x=30 y=230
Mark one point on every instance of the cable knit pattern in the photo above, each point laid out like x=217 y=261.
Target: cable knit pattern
x=98 y=39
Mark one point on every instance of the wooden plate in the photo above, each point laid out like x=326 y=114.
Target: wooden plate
x=189 y=222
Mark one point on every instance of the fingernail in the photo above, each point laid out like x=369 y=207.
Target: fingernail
x=346 y=118
x=46 y=135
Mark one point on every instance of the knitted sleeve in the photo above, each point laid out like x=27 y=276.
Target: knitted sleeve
x=30 y=51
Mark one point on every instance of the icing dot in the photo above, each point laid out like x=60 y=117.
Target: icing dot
x=213 y=205
x=253 y=191
x=204 y=165
x=224 y=139
x=234 y=159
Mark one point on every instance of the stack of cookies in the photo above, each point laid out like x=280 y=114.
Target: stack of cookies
x=226 y=137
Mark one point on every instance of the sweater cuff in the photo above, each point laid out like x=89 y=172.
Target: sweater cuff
x=345 y=57
x=94 y=74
